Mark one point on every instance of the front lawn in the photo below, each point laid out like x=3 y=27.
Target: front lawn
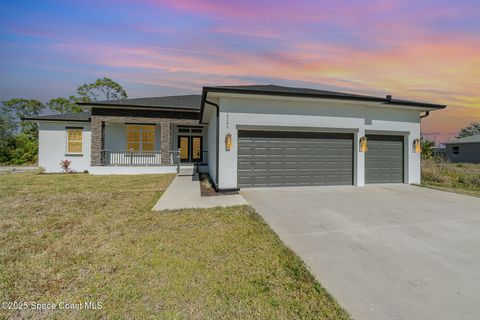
x=82 y=238
x=457 y=177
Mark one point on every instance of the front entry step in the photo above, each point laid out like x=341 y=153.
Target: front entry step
x=187 y=171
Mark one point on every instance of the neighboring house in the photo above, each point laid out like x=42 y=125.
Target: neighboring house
x=244 y=136
x=465 y=149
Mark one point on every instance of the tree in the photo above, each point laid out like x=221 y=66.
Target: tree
x=7 y=127
x=19 y=148
x=428 y=147
x=7 y=140
x=64 y=105
x=470 y=130
x=25 y=148
x=21 y=108
x=102 y=89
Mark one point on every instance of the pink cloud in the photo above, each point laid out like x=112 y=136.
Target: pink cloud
x=283 y=11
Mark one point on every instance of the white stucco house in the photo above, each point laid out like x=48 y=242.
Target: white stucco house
x=244 y=136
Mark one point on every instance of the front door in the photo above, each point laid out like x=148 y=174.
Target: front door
x=190 y=148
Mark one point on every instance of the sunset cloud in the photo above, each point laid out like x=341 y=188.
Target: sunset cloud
x=427 y=50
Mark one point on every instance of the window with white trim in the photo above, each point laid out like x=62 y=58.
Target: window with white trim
x=140 y=138
x=74 y=140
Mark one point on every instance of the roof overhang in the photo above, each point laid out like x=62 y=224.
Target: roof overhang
x=54 y=120
x=462 y=142
x=374 y=101
x=136 y=107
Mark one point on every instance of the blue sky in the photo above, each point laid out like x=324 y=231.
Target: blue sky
x=424 y=50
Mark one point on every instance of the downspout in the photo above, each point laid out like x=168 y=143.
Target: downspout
x=217 y=107
x=427 y=113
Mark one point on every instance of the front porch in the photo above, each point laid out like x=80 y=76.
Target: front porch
x=123 y=139
x=142 y=145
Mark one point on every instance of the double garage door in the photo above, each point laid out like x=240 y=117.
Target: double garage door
x=279 y=158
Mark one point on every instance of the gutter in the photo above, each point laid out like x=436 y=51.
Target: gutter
x=217 y=108
x=136 y=107
x=387 y=100
x=54 y=120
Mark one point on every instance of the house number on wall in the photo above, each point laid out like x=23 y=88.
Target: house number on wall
x=228 y=138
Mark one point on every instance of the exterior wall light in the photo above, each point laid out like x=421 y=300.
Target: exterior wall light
x=363 y=144
x=228 y=142
x=417 y=146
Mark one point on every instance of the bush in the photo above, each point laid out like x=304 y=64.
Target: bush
x=470 y=181
x=452 y=175
x=19 y=149
x=434 y=176
x=65 y=165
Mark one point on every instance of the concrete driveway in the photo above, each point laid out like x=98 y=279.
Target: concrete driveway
x=384 y=251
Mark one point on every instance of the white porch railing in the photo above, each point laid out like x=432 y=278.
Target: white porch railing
x=131 y=158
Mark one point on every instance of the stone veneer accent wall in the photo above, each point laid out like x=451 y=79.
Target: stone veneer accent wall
x=164 y=118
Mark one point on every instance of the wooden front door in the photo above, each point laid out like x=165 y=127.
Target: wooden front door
x=190 y=148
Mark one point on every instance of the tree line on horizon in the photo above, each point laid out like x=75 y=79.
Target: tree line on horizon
x=19 y=138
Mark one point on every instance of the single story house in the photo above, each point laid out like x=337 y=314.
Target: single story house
x=465 y=149
x=244 y=136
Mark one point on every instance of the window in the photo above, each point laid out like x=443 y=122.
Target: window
x=140 y=138
x=74 y=140
x=189 y=130
x=455 y=150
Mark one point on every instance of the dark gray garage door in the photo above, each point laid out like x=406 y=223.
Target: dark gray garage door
x=384 y=159
x=275 y=158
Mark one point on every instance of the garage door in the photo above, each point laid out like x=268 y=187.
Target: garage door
x=384 y=159
x=275 y=158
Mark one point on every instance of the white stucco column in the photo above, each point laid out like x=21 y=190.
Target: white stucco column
x=227 y=158
x=359 y=160
x=412 y=159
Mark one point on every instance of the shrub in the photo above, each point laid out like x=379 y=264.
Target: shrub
x=470 y=181
x=454 y=175
x=65 y=164
x=435 y=177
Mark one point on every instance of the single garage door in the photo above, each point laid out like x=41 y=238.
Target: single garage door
x=276 y=158
x=384 y=159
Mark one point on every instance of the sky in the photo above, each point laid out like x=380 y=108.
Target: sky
x=426 y=50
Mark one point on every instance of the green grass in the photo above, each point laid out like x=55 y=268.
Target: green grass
x=78 y=238
x=456 y=177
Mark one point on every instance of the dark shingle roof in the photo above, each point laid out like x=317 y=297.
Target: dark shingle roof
x=79 y=117
x=314 y=93
x=470 y=139
x=187 y=102
x=281 y=89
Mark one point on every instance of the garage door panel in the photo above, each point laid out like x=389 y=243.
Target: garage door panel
x=384 y=159
x=294 y=158
x=244 y=165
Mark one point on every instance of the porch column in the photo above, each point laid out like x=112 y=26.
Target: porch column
x=165 y=142
x=97 y=141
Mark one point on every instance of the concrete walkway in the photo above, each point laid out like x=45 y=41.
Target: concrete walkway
x=184 y=193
